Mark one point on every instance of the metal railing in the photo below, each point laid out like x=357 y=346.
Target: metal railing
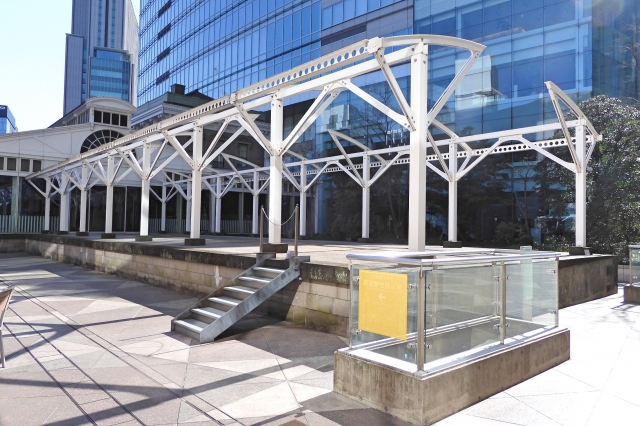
x=296 y=227
x=27 y=224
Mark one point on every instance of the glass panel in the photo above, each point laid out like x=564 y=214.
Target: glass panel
x=383 y=310
x=532 y=299
x=461 y=309
x=634 y=265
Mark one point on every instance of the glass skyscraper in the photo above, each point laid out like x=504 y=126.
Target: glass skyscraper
x=101 y=52
x=7 y=121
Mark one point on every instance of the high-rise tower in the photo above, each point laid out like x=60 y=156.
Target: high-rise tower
x=101 y=52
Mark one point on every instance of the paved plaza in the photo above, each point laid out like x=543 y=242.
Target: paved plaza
x=85 y=347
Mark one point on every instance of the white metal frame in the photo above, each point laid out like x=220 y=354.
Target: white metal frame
x=148 y=152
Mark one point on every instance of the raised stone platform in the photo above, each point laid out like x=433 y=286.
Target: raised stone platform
x=425 y=399
x=320 y=300
x=632 y=294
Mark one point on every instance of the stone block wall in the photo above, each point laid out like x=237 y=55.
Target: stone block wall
x=585 y=278
x=12 y=245
x=318 y=300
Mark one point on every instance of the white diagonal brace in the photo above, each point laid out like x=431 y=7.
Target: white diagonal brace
x=214 y=142
x=318 y=107
x=122 y=176
x=166 y=162
x=466 y=169
x=71 y=179
x=290 y=177
x=153 y=164
x=248 y=123
x=386 y=167
x=444 y=97
x=37 y=189
x=547 y=154
x=228 y=159
x=222 y=147
x=565 y=132
x=438 y=171
x=99 y=175
x=398 y=118
x=395 y=88
x=179 y=148
x=132 y=165
x=439 y=155
x=346 y=157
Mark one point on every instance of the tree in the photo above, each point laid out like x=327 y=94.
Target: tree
x=613 y=178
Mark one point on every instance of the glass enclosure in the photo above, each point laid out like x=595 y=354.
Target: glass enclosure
x=634 y=264
x=424 y=311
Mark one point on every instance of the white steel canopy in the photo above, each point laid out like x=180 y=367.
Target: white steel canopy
x=177 y=144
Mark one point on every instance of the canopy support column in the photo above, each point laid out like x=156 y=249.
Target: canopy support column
x=255 y=213
x=366 y=196
x=82 y=231
x=187 y=225
x=64 y=205
x=47 y=208
x=163 y=211
x=196 y=190
x=418 y=151
x=303 y=200
x=218 y=203
x=581 y=187
x=453 y=193
x=108 y=217
x=144 y=197
x=275 y=173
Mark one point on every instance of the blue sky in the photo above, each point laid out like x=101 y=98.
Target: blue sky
x=32 y=34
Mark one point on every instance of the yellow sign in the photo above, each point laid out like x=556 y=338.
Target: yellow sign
x=383 y=303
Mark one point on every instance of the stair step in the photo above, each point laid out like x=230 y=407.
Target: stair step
x=246 y=291
x=261 y=280
x=208 y=312
x=268 y=270
x=192 y=324
x=225 y=300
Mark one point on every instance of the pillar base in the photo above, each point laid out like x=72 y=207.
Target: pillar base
x=452 y=244
x=143 y=238
x=45 y=232
x=107 y=236
x=82 y=234
x=162 y=232
x=580 y=251
x=365 y=240
x=195 y=242
x=62 y=232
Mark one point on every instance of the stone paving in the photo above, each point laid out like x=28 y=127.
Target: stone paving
x=90 y=348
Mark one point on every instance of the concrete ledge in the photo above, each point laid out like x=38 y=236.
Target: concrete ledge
x=580 y=251
x=62 y=233
x=426 y=400
x=195 y=242
x=45 y=232
x=107 y=236
x=82 y=234
x=144 y=238
x=162 y=232
x=452 y=244
x=274 y=248
x=585 y=278
x=632 y=294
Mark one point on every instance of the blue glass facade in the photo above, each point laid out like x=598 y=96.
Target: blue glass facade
x=220 y=46
x=577 y=44
x=7 y=121
x=110 y=74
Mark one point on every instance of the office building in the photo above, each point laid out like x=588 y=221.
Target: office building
x=7 y=121
x=101 y=52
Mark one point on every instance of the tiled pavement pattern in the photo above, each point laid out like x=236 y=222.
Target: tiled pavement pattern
x=89 y=348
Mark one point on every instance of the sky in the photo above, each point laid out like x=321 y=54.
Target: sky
x=32 y=34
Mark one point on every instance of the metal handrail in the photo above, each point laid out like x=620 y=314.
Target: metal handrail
x=296 y=232
x=453 y=257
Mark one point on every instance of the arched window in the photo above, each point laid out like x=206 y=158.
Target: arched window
x=98 y=138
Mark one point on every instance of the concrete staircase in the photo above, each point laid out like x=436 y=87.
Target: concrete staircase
x=209 y=317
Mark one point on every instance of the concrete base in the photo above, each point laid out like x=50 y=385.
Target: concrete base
x=424 y=400
x=365 y=240
x=162 y=232
x=143 y=238
x=274 y=248
x=62 y=232
x=580 y=251
x=632 y=294
x=45 y=232
x=82 y=234
x=452 y=244
x=194 y=242
x=107 y=236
